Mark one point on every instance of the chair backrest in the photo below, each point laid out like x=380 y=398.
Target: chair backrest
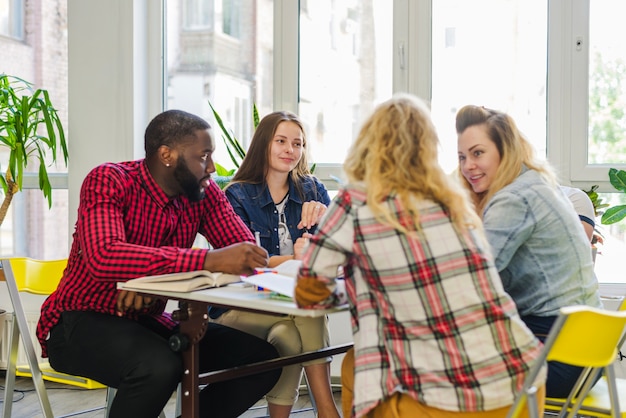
x=40 y=277
x=581 y=336
x=585 y=336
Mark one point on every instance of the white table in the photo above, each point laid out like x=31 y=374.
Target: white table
x=192 y=313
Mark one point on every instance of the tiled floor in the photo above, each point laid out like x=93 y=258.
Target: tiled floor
x=67 y=399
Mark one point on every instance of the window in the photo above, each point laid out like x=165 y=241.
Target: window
x=30 y=227
x=12 y=18
x=197 y=14
x=607 y=83
x=496 y=59
x=232 y=72
x=231 y=10
x=345 y=70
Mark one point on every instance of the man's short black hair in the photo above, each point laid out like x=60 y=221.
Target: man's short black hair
x=170 y=128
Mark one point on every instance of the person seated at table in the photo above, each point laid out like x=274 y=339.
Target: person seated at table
x=276 y=196
x=435 y=334
x=540 y=250
x=140 y=218
x=584 y=208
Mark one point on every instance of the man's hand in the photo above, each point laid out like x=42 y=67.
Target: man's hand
x=240 y=258
x=127 y=300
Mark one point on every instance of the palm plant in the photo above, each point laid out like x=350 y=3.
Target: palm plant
x=233 y=146
x=30 y=129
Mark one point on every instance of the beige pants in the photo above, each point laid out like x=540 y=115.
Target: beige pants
x=290 y=335
x=401 y=405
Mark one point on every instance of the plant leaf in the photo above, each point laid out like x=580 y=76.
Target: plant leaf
x=255 y=115
x=618 y=179
x=222 y=171
x=614 y=214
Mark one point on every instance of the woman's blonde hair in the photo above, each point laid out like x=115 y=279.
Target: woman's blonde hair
x=514 y=149
x=396 y=153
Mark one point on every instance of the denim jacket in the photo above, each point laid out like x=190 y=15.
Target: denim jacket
x=540 y=248
x=253 y=203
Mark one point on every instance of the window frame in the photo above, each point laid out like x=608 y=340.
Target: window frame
x=566 y=75
x=16 y=20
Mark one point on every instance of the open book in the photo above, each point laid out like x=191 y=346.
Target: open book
x=183 y=282
x=280 y=279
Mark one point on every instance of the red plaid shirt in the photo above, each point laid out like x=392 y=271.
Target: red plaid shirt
x=127 y=228
x=430 y=317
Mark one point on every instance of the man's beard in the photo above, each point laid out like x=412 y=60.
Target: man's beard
x=188 y=182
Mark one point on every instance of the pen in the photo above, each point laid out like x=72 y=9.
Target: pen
x=259 y=270
x=257 y=236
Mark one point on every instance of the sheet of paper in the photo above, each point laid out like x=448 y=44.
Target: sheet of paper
x=279 y=283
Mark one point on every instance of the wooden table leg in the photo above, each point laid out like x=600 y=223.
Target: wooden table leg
x=193 y=318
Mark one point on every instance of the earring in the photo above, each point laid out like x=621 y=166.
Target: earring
x=167 y=165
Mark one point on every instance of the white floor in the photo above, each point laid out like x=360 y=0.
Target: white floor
x=68 y=400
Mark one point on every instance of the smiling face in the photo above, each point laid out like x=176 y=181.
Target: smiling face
x=286 y=147
x=479 y=157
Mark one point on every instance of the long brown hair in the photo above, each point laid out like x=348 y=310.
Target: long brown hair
x=255 y=165
x=515 y=150
x=396 y=153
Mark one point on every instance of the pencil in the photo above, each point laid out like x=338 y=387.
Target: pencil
x=257 y=236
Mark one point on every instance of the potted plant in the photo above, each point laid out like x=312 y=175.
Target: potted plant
x=615 y=213
x=30 y=129
x=233 y=146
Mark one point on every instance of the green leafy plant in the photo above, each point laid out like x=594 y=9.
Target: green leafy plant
x=233 y=146
x=615 y=213
x=30 y=129
x=598 y=202
x=612 y=214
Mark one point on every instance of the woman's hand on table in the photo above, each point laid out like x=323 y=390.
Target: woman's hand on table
x=311 y=214
x=300 y=245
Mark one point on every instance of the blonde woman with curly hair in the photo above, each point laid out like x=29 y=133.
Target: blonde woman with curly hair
x=434 y=332
x=540 y=249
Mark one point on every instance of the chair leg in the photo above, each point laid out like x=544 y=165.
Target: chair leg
x=610 y=379
x=311 y=397
x=110 y=396
x=179 y=411
x=42 y=395
x=9 y=384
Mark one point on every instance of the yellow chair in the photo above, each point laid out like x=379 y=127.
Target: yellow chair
x=585 y=337
x=39 y=278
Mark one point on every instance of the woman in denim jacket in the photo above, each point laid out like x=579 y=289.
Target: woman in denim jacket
x=540 y=248
x=277 y=197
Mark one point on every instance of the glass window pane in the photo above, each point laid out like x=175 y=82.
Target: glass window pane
x=607 y=82
x=11 y=18
x=345 y=70
x=232 y=70
x=490 y=53
x=30 y=229
x=610 y=254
